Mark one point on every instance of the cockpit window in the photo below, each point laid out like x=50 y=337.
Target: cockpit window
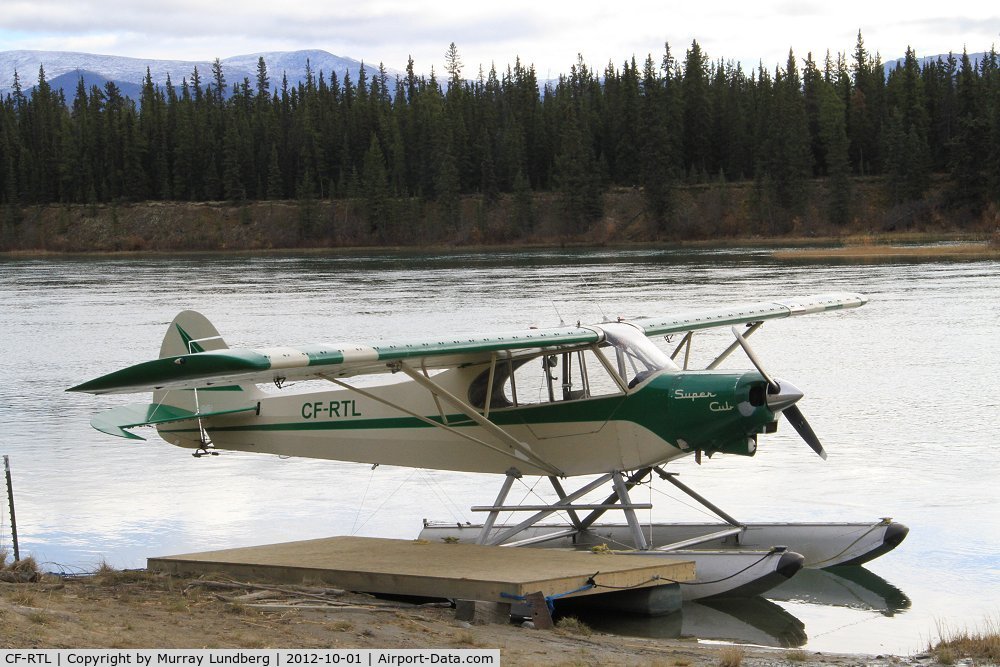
x=567 y=375
x=571 y=375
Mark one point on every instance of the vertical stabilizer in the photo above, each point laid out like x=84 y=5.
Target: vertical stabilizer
x=189 y=333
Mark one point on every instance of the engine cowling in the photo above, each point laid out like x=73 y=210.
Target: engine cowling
x=714 y=412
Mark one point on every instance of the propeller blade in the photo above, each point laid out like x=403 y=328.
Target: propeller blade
x=784 y=402
x=773 y=386
x=799 y=423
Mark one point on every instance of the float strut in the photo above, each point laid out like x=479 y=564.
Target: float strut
x=484 y=533
x=633 y=522
x=672 y=478
x=634 y=479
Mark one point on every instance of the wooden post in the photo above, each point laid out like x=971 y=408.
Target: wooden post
x=10 y=501
x=480 y=612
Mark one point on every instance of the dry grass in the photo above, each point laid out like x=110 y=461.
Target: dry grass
x=466 y=638
x=797 y=655
x=123 y=581
x=573 y=626
x=26 y=565
x=23 y=597
x=38 y=618
x=341 y=626
x=731 y=656
x=979 y=645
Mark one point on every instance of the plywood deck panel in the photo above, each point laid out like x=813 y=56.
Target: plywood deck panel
x=414 y=567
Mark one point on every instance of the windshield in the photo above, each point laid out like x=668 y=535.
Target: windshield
x=636 y=357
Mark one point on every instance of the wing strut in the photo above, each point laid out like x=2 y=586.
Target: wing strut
x=486 y=424
x=732 y=347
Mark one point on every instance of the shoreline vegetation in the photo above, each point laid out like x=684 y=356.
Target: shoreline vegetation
x=712 y=216
x=140 y=609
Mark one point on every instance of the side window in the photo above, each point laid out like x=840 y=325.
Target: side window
x=625 y=358
x=563 y=376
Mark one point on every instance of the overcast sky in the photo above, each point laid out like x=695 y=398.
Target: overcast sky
x=546 y=33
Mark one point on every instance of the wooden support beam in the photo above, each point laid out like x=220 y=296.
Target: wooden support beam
x=481 y=612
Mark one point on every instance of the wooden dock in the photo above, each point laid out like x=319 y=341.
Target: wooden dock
x=439 y=570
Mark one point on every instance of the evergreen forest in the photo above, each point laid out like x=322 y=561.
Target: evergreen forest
x=655 y=127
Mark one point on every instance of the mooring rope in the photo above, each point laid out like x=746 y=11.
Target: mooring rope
x=550 y=599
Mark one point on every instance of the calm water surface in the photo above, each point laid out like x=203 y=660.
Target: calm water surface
x=904 y=393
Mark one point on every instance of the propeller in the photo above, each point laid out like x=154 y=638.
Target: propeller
x=783 y=398
x=802 y=427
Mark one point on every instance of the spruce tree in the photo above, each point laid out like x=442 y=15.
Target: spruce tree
x=523 y=209
x=655 y=158
x=991 y=95
x=968 y=154
x=375 y=189
x=866 y=110
x=697 y=113
x=788 y=161
x=834 y=146
x=577 y=176
x=906 y=153
x=275 y=182
x=232 y=173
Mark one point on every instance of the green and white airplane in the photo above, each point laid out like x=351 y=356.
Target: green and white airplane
x=598 y=399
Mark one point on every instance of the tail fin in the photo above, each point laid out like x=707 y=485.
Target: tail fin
x=191 y=332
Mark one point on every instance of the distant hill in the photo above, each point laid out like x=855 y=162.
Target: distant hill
x=67 y=83
x=976 y=58
x=64 y=68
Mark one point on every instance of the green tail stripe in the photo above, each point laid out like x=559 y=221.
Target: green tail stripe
x=187 y=338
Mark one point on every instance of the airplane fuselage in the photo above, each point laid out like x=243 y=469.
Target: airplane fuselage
x=670 y=414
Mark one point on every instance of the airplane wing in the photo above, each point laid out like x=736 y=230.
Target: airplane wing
x=239 y=366
x=746 y=313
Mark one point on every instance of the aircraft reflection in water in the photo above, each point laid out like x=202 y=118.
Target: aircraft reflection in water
x=851 y=587
x=747 y=621
x=757 y=620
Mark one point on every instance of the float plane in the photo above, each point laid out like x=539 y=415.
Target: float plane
x=599 y=400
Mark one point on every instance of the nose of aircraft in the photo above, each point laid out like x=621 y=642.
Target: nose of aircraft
x=787 y=395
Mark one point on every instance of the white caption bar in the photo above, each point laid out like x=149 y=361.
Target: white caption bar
x=244 y=657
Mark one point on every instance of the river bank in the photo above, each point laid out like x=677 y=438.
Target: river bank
x=869 y=247
x=138 y=609
x=704 y=214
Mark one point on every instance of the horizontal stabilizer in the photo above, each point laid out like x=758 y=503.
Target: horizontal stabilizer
x=116 y=420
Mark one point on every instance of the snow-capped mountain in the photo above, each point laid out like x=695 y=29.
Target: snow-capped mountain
x=63 y=69
x=974 y=58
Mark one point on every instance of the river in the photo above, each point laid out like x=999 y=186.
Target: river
x=903 y=392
